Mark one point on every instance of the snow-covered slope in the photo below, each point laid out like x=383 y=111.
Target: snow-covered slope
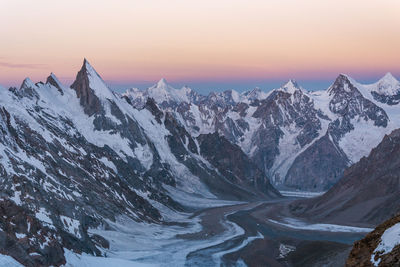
x=386 y=90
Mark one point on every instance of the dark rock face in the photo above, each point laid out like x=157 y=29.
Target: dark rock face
x=230 y=160
x=282 y=109
x=152 y=107
x=266 y=140
x=52 y=80
x=387 y=99
x=319 y=167
x=221 y=183
x=88 y=98
x=27 y=89
x=253 y=95
x=22 y=236
x=363 y=250
x=367 y=193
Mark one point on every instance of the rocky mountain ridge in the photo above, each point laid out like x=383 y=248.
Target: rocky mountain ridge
x=76 y=161
x=302 y=140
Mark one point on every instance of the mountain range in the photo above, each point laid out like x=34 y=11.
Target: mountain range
x=76 y=159
x=302 y=140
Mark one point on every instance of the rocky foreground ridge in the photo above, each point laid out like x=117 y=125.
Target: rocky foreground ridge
x=381 y=247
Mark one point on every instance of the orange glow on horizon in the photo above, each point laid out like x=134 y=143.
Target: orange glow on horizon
x=208 y=40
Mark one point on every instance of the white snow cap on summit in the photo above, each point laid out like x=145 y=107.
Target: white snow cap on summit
x=27 y=83
x=291 y=86
x=162 y=91
x=388 y=77
x=387 y=85
x=162 y=83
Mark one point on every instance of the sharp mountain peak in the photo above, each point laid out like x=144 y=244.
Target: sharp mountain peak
x=27 y=83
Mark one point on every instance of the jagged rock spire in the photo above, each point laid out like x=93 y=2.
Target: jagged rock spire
x=53 y=80
x=88 y=98
x=28 y=89
x=343 y=84
x=27 y=83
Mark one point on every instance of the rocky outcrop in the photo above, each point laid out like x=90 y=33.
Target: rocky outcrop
x=23 y=236
x=366 y=252
x=387 y=99
x=88 y=98
x=152 y=107
x=53 y=80
x=27 y=89
x=348 y=102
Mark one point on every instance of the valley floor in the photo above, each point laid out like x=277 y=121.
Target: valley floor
x=251 y=234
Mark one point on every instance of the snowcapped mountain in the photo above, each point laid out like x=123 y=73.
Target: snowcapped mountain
x=76 y=159
x=163 y=93
x=302 y=140
x=255 y=94
x=386 y=90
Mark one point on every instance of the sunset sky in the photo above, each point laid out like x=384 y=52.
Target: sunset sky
x=209 y=44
